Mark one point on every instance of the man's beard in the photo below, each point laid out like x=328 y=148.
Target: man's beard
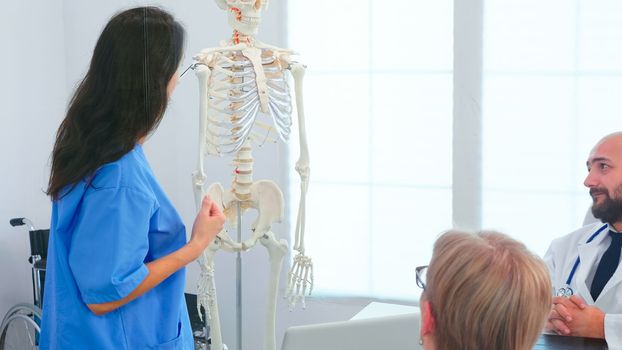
x=610 y=210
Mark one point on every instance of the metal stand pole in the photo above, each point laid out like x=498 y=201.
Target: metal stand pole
x=238 y=273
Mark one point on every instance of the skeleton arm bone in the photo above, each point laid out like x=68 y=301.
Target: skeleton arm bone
x=300 y=277
x=302 y=165
x=276 y=251
x=203 y=72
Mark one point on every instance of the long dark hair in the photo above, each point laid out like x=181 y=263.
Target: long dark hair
x=123 y=96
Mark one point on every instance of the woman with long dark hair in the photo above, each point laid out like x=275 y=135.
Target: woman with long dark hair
x=115 y=269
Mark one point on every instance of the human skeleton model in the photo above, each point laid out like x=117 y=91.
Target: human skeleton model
x=239 y=82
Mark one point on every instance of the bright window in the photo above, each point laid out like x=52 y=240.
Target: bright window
x=551 y=89
x=378 y=106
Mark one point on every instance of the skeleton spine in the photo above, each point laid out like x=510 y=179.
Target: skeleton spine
x=243 y=173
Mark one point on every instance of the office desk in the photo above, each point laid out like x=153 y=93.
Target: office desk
x=556 y=342
x=545 y=342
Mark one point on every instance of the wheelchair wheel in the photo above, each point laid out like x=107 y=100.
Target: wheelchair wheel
x=20 y=328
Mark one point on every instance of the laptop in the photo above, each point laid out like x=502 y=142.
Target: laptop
x=557 y=342
x=387 y=332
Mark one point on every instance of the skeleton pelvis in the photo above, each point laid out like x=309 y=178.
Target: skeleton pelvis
x=265 y=196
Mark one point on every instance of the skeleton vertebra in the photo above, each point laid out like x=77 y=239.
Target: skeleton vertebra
x=241 y=82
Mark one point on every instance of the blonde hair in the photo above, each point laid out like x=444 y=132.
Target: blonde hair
x=487 y=292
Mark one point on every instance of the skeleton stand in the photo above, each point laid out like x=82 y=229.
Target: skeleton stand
x=238 y=282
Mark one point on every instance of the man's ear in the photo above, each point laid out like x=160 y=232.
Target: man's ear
x=428 y=323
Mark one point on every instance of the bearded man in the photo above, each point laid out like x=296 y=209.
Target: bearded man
x=584 y=264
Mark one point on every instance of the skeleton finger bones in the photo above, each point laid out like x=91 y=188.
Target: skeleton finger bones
x=300 y=281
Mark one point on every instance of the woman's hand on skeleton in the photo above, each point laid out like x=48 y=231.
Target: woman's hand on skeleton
x=208 y=223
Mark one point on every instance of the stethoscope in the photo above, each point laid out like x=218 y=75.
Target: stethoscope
x=567 y=291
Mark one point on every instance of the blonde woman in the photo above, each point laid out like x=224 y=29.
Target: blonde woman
x=482 y=291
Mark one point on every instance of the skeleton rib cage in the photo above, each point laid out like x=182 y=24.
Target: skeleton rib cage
x=235 y=102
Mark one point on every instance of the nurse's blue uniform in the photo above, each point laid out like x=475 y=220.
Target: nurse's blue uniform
x=101 y=237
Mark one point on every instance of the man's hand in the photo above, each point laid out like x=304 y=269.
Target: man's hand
x=571 y=316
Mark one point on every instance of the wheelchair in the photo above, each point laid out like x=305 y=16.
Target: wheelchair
x=21 y=326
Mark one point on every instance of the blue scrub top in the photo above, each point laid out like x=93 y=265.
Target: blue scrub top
x=101 y=237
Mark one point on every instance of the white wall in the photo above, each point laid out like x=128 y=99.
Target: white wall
x=61 y=41
x=32 y=98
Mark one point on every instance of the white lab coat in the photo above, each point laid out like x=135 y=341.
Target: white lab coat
x=561 y=257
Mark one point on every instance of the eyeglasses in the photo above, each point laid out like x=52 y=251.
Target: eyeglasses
x=191 y=66
x=420 y=272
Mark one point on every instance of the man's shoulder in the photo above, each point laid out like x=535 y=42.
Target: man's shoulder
x=580 y=235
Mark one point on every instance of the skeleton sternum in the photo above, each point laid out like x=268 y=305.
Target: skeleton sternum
x=254 y=55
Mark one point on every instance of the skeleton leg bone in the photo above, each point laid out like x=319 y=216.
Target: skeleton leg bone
x=207 y=294
x=276 y=251
x=206 y=285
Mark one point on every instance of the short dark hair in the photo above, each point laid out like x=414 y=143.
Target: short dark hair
x=123 y=96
